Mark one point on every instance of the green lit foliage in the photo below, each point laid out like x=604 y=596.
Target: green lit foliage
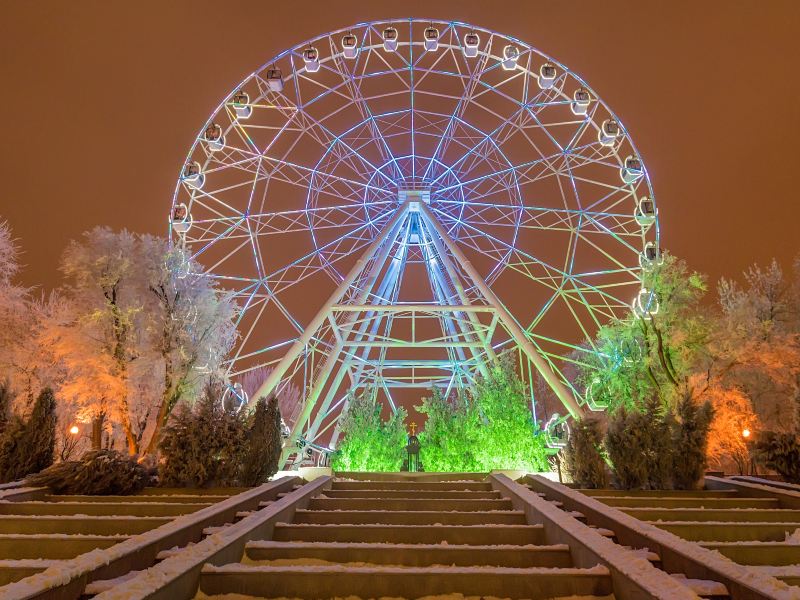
x=648 y=355
x=492 y=428
x=368 y=442
x=450 y=437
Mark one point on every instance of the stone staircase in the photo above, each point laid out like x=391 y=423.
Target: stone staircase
x=406 y=538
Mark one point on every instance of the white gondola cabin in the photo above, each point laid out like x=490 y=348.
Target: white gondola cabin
x=646 y=304
x=390 y=39
x=180 y=219
x=431 y=37
x=547 y=75
x=609 y=132
x=193 y=176
x=581 y=100
x=275 y=80
x=241 y=105
x=471 y=42
x=510 y=57
x=631 y=170
x=311 y=59
x=213 y=137
x=349 y=46
x=650 y=256
x=645 y=212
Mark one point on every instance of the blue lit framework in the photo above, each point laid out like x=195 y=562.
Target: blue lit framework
x=397 y=203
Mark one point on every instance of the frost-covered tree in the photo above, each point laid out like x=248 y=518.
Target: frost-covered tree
x=189 y=324
x=15 y=318
x=101 y=273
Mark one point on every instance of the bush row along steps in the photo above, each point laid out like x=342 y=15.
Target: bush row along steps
x=70 y=546
x=731 y=539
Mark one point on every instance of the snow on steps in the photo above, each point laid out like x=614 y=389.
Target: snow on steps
x=437 y=504
x=415 y=555
x=377 y=581
x=675 y=552
x=68 y=578
x=410 y=517
x=412 y=494
x=409 y=534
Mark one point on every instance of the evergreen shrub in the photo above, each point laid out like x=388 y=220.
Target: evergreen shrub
x=583 y=454
x=96 y=473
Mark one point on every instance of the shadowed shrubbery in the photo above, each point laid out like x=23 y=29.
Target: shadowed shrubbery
x=97 y=473
x=263 y=445
x=690 y=442
x=781 y=453
x=27 y=446
x=202 y=445
x=583 y=454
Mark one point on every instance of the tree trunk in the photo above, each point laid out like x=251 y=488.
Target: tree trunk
x=97 y=430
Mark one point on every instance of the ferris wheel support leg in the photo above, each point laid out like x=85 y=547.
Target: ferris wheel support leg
x=508 y=321
x=299 y=345
x=462 y=295
x=379 y=250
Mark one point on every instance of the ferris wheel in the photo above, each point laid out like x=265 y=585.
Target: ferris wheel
x=396 y=204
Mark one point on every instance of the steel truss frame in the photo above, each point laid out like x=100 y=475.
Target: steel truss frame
x=511 y=172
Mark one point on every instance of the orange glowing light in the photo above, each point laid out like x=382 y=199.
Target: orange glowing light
x=74 y=430
x=745 y=433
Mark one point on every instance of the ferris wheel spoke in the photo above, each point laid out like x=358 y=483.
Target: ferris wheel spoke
x=326 y=256
x=352 y=85
x=544 y=218
x=469 y=89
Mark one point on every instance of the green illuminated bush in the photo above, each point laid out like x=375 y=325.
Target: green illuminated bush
x=368 y=442
x=492 y=428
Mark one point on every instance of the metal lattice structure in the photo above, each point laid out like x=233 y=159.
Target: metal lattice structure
x=395 y=204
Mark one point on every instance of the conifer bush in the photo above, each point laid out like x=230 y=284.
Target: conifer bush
x=690 y=442
x=639 y=445
x=583 y=454
x=27 y=446
x=6 y=397
x=96 y=473
x=781 y=453
x=368 y=442
x=263 y=443
x=202 y=445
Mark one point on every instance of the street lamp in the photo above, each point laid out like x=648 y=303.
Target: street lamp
x=74 y=430
x=745 y=433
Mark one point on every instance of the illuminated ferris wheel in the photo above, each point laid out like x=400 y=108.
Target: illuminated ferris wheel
x=396 y=204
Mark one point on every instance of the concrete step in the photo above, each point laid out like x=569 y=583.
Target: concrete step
x=183 y=498
x=417 y=494
x=733 y=515
x=407 y=517
x=53 y=547
x=413 y=555
x=461 y=504
x=697 y=531
x=129 y=508
x=758 y=553
x=678 y=502
x=14 y=570
x=374 y=582
x=474 y=486
x=661 y=493
x=475 y=535
x=72 y=524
